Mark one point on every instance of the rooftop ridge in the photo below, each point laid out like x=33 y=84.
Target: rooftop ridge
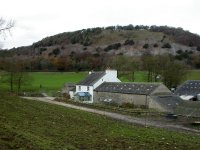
x=128 y=88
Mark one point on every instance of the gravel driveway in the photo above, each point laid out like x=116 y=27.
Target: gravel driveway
x=125 y=118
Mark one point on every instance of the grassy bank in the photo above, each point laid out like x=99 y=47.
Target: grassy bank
x=28 y=124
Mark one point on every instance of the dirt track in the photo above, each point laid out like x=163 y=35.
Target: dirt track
x=125 y=118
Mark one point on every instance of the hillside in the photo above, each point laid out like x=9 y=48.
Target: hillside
x=127 y=40
x=36 y=125
x=97 y=45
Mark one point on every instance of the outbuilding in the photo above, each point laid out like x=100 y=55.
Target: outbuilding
x=151 y=95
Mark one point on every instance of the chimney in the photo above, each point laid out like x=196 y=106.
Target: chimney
x=112 y=72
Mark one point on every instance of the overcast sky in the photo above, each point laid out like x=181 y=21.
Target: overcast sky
x=37 y=19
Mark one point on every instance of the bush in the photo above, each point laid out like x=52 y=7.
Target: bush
x=166 y=45
x=179 y=51
x=56 y=51
x=163 y=38
x=42 y=49
x=129 y=42
x=127 y=105
x=112 y=46
x=198 y=48
x=155 y=45
x=146 y=46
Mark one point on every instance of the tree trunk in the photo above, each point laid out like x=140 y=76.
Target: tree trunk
x=133 y=76
x=11 y=82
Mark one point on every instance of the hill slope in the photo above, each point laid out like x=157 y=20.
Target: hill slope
x=94 y=47
x=128 y=40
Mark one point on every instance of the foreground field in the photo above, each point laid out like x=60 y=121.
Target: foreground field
x=36 y=125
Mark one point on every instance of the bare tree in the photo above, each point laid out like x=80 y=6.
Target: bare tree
x=6 y=25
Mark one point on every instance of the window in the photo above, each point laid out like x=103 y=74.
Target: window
x=88 y=88
x=79 y=88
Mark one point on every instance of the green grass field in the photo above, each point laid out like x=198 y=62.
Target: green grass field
x=193 y=75
x=49 y=81
x=54 y=81
x=26 y=124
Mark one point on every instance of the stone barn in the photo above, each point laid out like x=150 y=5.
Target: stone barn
x=139 y=94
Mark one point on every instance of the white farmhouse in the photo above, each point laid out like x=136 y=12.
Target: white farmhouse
x=84 y=89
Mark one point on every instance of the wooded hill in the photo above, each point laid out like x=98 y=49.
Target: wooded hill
x=95 y=46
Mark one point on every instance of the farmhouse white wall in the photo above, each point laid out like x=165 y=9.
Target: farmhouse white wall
x=84 y=88
x=110 y=76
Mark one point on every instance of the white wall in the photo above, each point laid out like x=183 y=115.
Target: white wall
x=110 y=76
x=71 y=94
x=84 y=89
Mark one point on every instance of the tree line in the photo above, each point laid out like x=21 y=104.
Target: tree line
x=160 y=68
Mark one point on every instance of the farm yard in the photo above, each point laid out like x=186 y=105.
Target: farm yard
x=28 y=124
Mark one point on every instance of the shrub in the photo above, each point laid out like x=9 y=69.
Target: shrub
x=198 y=48
x=112 y=46
x=42 y=49
x=146 y=46
x=166 y=45
x=155 y=45
x=96 y=55
x=127 y=105
x=129 y=42
x=179 y=51
x=56 y=51
x=163 y=38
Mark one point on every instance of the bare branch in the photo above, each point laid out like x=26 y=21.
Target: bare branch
x=6 y=25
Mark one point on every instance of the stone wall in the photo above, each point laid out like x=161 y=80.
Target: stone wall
x=119 y=98
x=161 y=89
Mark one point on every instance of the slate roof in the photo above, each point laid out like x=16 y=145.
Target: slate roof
x=168 y=102
x=127 y=88
x=191 y=87
x=91 y=78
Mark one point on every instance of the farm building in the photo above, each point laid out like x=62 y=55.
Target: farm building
x=190 y=90
x=151 y=95
x=84 y=89
x=105 y=87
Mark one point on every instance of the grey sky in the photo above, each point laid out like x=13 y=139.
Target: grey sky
x=36 y=19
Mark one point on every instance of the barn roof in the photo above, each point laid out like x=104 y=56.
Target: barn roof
x=190 y=87
x=91 y=78
x=168 y=102
x=128 y=88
